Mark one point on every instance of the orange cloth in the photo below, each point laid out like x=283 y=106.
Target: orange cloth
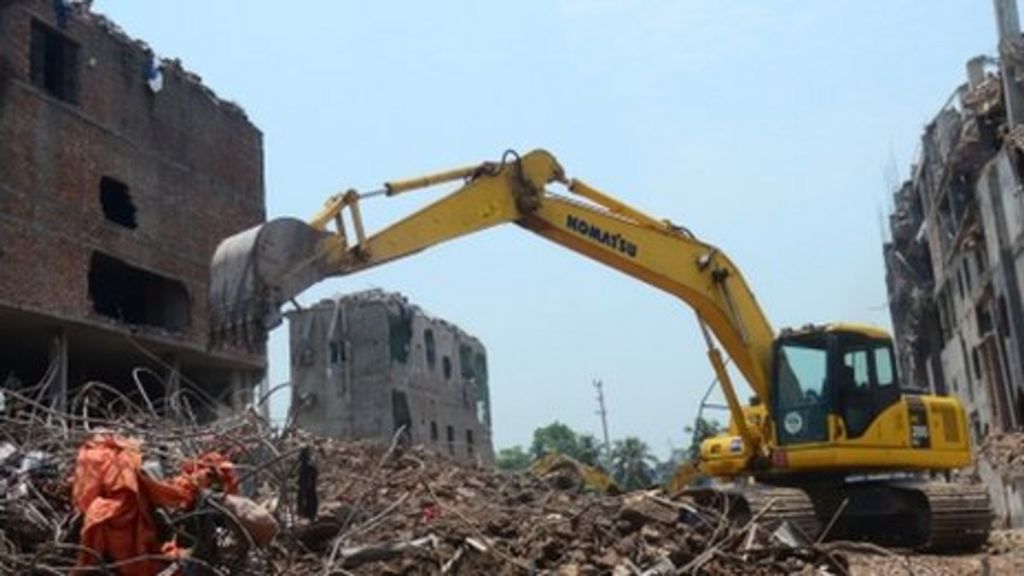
x=117 y=500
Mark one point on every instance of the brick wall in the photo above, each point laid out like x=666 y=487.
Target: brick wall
x=193 y=165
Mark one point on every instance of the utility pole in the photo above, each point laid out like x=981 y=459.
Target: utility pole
x=603 y=413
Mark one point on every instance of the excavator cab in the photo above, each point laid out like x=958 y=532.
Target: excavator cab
x=836 y=407
x=831 y=382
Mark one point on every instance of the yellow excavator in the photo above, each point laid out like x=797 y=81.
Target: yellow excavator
x=829 y=442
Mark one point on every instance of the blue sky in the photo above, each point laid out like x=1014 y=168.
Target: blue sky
x=765 y=127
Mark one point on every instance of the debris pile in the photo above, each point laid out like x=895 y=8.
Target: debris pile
x=376 y=509
x=146 y=492
x=1004 y=452
x=389 y=510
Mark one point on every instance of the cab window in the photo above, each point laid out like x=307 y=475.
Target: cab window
x=856 y=363
x=801 y=402
x=883 y=366
x=866 y=383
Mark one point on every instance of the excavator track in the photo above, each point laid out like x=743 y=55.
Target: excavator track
x=920 y=514
x=960 y=516
x=773 y=506
x=928 y=516
x=769 y=506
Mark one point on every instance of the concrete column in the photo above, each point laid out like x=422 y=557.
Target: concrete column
x=59 y=383
x=172 y=402
x=240 y=392
x=1008 y=24
x=975 y=71
x=264 y=389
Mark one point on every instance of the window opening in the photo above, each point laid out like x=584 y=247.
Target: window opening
x=124 y=292
x=400 y=334
x=433 y=431
x=117 y=203
x=401 y=416
x=466 y=361
x=1004 y=321
x=483 y=394
x=976 y=362
x=430 y=348
x=337 y=350
x=446 y=364
x=54 y=62
x=451 y=440
x=983 y=318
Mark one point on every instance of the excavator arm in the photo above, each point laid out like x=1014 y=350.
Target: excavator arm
x=257 y=271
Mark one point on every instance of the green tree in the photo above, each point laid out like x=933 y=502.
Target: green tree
x=588 y=449
x=633 y=464
x=701 y=430
x=512 y=459
x=555 y=437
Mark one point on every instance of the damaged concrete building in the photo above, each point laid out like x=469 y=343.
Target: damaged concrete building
x=365 y=365
x=955 y=260
x=119 y=174
x=954 y=263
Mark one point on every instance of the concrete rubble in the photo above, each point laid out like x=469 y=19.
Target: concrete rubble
x=383 y=509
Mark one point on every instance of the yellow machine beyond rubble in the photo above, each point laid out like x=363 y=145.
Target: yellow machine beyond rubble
x=829 y=439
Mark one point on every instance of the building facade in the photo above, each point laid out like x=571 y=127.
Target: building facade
x=119 y=175
x=955 y=266
x=369 y=364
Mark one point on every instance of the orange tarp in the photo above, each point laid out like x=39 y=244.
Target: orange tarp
x=117 y=498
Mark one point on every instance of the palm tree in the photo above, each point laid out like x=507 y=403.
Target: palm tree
x=632 y=463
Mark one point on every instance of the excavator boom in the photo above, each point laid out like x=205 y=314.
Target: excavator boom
x=257 y=271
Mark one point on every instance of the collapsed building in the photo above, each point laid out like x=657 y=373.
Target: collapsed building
x=955 y=260
x=370 y=364
x=954 y=268
x=119 y=175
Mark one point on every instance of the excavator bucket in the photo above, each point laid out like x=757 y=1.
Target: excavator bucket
x=254 y=272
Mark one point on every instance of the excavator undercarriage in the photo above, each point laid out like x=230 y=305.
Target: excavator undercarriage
x=923 y=514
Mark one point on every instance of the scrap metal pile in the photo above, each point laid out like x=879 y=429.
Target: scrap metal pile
x=379 y=509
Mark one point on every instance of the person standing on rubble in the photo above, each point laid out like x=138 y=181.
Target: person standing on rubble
x=307 y=500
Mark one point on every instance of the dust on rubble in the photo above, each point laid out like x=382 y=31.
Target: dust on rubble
x=1003 y=452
